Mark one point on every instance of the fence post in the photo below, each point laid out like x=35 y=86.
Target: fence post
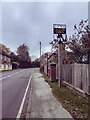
x=74 y=75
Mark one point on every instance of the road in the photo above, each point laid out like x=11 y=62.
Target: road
x=14 y=84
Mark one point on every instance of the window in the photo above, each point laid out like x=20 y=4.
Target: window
x=1 y=56
x=0 y=65
x=5 y=57
x=8 y=59
x=4 y=65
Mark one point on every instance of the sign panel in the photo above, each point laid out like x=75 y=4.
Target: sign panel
x=59 y=30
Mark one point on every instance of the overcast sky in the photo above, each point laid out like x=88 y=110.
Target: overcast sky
x=32 y=22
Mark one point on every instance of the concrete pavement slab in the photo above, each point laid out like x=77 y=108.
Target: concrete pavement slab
x=42 y=103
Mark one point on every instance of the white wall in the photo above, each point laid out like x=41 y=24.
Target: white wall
x=6 y=67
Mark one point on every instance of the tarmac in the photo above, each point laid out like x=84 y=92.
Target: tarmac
x=42 y=103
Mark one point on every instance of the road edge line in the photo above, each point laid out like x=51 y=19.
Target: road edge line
x=29 y=104
x=23 y=100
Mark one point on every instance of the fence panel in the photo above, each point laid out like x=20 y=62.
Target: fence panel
x=67 y=73
x=85 y=77
x=76 y=75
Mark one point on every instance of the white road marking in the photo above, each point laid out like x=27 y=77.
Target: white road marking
x=11 y=75
x=23 y=100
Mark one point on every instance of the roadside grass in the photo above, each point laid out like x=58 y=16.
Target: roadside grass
x=74 y=103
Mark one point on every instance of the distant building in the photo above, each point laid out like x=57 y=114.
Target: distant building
x=42 y=62
x=53 y=57
x=5 y=60
x=46 y=59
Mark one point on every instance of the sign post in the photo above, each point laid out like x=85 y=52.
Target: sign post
x=60 y=31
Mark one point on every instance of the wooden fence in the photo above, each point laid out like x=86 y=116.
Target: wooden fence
x=76 y=75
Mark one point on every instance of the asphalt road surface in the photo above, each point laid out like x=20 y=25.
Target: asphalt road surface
x=14 y=84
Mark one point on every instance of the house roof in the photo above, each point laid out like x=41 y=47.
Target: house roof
x=3 y=53
x=52 y=55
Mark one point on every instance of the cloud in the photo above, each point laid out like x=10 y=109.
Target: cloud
x=30 y=23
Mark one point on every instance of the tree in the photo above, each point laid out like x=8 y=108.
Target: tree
x=79 y=43
x=23 y=52
x=23 y=56
x=76 y=49
x=54 y=48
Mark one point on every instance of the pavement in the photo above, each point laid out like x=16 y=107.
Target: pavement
x=42 y=103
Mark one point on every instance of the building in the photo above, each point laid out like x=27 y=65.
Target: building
x=5 y=60
x=46 y=59
x=53 y=57
x=42 y=62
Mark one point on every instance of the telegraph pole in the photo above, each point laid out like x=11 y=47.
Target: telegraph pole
x=40 y=57
x=40 y=48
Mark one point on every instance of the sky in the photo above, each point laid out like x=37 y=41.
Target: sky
x=32 y=22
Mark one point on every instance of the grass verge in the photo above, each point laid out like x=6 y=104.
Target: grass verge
x=72 y=102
